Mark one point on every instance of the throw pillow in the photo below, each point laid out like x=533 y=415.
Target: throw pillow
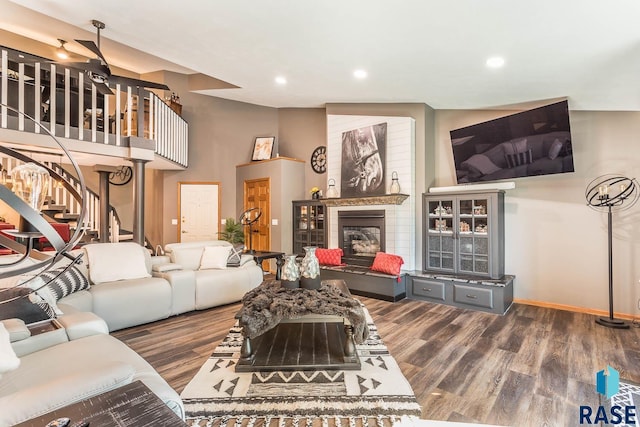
x=555 y=148
x=62 y=283
x=519 y=159
x=515 y=146
x=235 y=255
x=387 y=263
x=479 y=164
x=25 y=307
x=215 y=257
x=329 y=256
x=109 y=262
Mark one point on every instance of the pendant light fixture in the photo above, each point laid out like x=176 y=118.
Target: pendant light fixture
x=61 y=51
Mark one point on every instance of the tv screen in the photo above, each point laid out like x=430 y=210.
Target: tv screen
x=530 y=143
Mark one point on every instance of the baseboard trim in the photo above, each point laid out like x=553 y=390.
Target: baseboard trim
x=575 y=309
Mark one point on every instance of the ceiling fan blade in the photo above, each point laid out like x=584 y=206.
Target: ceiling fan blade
x=136 y=82
x=92 y=47
x=103 y=88
x=92 y=66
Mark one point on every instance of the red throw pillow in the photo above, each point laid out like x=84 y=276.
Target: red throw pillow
x=329 y=256
x=387 y=263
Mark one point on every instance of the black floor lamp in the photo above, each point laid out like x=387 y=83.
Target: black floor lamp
x=609 y=193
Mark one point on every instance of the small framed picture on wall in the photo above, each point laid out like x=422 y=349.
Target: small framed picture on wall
x=263 y=147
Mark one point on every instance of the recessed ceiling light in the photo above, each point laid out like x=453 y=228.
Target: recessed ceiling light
x=281 y=80
x=495 y=62
x=360 y=74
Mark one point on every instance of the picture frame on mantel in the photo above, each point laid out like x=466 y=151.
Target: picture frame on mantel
x=263 y=147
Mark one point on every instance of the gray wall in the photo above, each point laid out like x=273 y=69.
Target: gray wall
x=300 y=131
x=221 y=136
x=556 y=245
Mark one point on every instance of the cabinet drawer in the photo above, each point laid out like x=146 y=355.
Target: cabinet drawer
x=428 y=288
x=473 y=296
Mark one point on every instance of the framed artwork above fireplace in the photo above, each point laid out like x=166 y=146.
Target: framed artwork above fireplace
x=363 y=160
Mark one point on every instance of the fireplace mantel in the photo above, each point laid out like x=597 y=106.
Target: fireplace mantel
x=389 y=199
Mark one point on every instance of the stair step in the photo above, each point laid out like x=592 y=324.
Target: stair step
x=66 y=217
x=54 y=208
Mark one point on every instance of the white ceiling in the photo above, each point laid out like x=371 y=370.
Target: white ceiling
x=427 y=51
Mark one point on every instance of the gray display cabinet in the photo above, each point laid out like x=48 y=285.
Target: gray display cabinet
x=491 y=296
x=309 y=225
x=464 y=233
x=463 y=250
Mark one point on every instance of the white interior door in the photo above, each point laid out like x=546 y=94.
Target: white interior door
x=199 y=211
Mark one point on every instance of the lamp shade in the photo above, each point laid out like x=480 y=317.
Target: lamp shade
x=30 y=183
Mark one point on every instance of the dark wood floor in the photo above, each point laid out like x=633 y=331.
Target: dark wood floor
x=532 y=367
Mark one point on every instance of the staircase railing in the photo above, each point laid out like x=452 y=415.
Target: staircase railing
x=70 y=106
x=62 y=196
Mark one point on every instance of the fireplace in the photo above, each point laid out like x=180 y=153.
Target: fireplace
x=360 y=235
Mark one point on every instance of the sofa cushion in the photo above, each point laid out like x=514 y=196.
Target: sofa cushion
x=109 y=262
x=214 y=257
x=126 y=303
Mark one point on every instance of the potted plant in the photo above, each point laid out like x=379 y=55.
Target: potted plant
x=233 y=232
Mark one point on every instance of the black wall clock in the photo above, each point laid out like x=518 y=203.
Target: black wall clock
x=319 y=160
x=121 y=176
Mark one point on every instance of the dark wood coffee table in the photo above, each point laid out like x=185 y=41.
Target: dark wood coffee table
x=310 y=342
x=130 y=405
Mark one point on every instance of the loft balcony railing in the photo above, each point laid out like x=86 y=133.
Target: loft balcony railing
x=68 y=104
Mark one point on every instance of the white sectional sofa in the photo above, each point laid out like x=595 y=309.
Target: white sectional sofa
x=67 y=365
x=127 y=287
x=211 y=287
x=138 y=288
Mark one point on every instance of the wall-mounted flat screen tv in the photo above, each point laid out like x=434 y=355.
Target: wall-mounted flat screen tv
x=530 y=143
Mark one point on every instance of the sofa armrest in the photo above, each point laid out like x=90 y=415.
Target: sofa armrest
x=32 y=402
x=159 y=260
x=183 y=289
x=169 y=266
x=246 y=259
x=17 y=330
x=40 y=342
x=82 y=324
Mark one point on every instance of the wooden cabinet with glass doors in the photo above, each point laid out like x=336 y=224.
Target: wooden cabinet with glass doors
x=309 y=225
x=464 y=233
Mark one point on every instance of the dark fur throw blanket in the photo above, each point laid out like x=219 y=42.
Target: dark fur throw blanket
x=265 y=306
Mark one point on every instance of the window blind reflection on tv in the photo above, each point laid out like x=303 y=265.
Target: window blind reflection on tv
x=530 y=143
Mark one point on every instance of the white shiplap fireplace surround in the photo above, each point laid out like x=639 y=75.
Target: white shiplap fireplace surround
x=400 y=221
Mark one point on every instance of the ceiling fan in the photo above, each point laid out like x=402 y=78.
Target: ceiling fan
x=97 y=69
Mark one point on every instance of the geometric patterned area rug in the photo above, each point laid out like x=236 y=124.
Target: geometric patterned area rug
x=376 y=395
x=628 y=395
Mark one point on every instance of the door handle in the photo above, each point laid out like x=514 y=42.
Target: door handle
x=184 y=231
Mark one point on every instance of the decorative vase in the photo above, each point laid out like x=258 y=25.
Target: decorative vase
x=332 y=192
x=290 y=276
x=310 y=269
x=395 y=185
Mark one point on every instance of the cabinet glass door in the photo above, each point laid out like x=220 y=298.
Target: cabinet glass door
x=316 y=226
x=440 y=242
x=473 y=235
x=300 y=227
